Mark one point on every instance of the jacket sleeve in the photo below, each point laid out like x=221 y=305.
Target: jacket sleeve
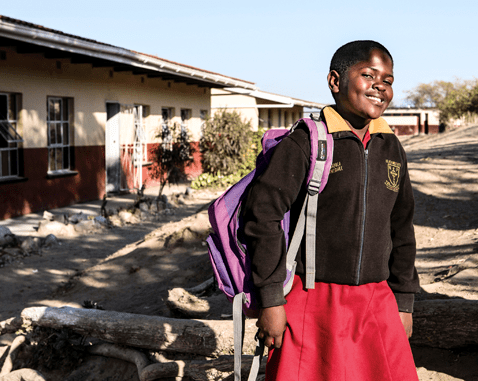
x=270 y=197
x=403 y=278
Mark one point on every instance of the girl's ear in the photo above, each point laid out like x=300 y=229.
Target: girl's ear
x=333 y=79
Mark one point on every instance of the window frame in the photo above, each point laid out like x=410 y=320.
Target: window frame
x=166 y=135
x=186 y=115
x=141 y=113
x=66 y=118
x=11 y=138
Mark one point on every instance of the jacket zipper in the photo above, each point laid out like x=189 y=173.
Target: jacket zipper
x=362 y=234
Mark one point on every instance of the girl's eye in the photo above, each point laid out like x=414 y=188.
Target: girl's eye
x=388 y=83
x=367 y=75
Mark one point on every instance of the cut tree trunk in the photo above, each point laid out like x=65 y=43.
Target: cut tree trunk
x=445 y=323
x=202 y=337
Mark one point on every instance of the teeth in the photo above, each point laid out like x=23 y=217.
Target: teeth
x=375 y=98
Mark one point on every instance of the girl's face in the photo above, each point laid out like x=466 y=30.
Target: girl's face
x=366 y=91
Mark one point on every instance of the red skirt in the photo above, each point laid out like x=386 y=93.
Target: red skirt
x=342 y=333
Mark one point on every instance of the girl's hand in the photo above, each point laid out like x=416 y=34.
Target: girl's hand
x=407 y=322
x=272 y=323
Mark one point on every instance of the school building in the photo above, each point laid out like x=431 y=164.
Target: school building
x=413 y=121
x=262 y=108
x=78 y=117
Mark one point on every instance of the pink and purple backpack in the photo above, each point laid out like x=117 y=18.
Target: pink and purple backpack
x=227 y=247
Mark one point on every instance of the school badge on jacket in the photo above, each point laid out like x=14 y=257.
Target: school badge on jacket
x=393 y=181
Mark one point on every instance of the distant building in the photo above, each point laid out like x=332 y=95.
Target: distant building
x=410 y=121
x=263 y=109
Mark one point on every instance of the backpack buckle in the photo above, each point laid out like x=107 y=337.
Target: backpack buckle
x=314 y=186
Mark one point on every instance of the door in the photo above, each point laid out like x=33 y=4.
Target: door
x=112 y=148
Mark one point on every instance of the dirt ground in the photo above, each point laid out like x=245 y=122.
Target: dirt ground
x=130 y=269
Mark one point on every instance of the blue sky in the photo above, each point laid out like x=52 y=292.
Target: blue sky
x=284 y=47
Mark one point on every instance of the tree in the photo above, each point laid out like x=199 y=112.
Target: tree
x=453 y=99
x=171 y=156
x=430 y=94
x=460 y=101
x=225 y=143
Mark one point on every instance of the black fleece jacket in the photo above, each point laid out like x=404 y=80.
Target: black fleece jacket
x=364 y=219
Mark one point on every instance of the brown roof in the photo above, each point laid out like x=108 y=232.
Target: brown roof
x=40 y=27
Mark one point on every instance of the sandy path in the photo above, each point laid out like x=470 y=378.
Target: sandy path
x=121 y=270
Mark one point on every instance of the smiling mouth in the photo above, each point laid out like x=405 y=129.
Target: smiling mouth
x=375 y=98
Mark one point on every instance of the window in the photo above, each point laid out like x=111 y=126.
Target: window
x=59 y=117
x=9 y=137
x=167 y=114
x=140 y=112
x=185 y=116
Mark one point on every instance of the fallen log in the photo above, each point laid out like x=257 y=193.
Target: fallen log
x=445 y=323
x=203 y=337
x=440 y=323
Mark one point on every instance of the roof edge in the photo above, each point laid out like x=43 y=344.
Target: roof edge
x=35 y=34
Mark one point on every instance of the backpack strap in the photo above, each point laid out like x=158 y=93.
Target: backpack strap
x=308 y=216
x=238 y=319
x=239 y=329
x=313 y=197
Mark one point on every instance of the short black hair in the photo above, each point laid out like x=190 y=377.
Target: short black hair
x=353 y=52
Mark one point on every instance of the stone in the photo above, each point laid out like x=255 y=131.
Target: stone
x=54 y=227
x=31 y=245
x=6 y=236
x=144 y=207
x=116 y=220
x=128 y=217
x=63 y=218
x=146 y=216
x=101 y=221
x=51 y=240
x=87 y=226
x=75 y=218
x=154 y=208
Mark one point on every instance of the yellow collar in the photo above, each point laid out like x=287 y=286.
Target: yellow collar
x=336 y=123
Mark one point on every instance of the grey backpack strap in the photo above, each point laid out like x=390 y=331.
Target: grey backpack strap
x=238 y=321
x=313 y=196
x=308 y=217
x=239 y=328
x=256 y=361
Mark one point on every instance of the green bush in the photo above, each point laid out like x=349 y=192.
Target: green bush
x=219 y=180
x=460 y=102
x=225 y=142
